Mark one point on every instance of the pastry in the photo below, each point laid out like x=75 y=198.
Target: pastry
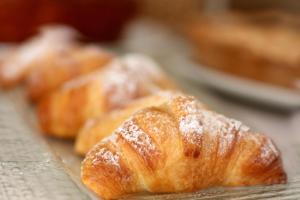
x=255 y=48
x=16 y=66
x=180 y=146
x=65 y=110
x=94 y=130
x=59 y=66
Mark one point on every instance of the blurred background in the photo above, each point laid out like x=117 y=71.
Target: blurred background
x=103 y=19
x=244 y=48
x=222 y=32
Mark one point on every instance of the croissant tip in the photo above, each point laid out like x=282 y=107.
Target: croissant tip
x=284 y=178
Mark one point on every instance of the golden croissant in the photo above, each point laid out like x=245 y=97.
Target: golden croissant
x=180 y=146
x=64 y=111
x=21 y=60
x=97 y=128
x=60 y=66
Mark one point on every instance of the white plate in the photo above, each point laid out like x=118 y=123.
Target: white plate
x=247 y=89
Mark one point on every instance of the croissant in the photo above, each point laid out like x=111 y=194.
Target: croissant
x=180 y=146
x=64 y=111
x=21 y=60
x=59 y=66
x=97 y=128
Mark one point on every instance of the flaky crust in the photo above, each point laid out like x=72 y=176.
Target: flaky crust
x=180 y=146
x=64 y=111
x=60 y=66
x=94 y=130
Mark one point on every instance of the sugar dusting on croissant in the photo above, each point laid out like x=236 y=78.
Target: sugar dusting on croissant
x=125 y=79
x=180 y=146
x=21 y=60
x=132 y=76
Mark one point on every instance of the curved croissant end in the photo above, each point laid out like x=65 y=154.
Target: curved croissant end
x=180 y=146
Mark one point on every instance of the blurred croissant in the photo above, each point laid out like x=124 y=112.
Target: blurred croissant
x=180 y=146
x=59 y=66
x=64 y=111
x=21 y=60
x=96 y=129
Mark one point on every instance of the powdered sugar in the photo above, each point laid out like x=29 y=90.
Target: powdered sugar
x=198 y=120
x=120 y=84
x=239 y=126
x=268 y=151
x=136 y=137
x=123 y=80
x=191 y=107
x=51 y=39
x=191 y=124
x=216 y=123
x=107 y=157
x=129 y=77
x=112 y=138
